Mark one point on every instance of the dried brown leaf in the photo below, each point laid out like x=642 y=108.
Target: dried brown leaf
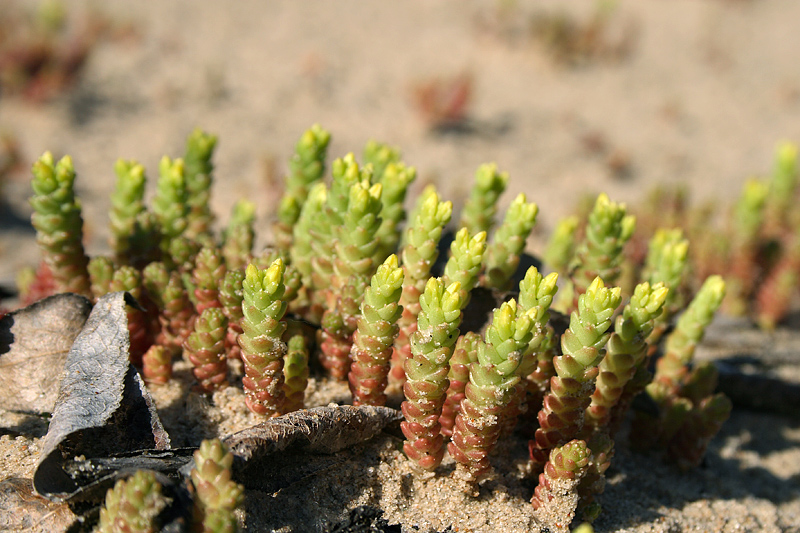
x=103 y=407
x=34 y=343
x=285 y=450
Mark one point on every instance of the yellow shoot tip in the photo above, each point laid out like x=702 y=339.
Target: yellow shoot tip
x=375 y=191
x=391 y=261
x=454 y=288
x=596 y=285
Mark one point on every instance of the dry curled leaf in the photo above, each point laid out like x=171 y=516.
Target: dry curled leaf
x=34 y=343
x=284 y=450
x=103 y=407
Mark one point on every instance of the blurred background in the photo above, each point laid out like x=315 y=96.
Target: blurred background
x=571 y=98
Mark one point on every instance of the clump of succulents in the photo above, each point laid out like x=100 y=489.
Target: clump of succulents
x=346 y=260
x=753 y=245
x=135 y=504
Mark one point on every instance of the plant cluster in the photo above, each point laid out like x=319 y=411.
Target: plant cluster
x=754 y=245
x=573 y=41
x=601 y=34
x=136 y=503
x=384 y=313
x=43 y=51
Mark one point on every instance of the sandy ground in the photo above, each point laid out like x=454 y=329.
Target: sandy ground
x=700 y=95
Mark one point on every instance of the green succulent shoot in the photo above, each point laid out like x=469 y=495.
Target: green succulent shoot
x=626 y=350
x=508 y=243
x=306 y=168
x=59 y=224
x=101 y=272
x=561 y=246
x=295 y=373
x=354 y=248
x=260 y=341
x=782 y=189
x=536 y=293
x=237 y=246
x=395 y=179
x=375 y=335
x=481 y=206
x=133 y=504
x=599 y=254
x=492 y=381
x=217 y=496
x=421 y=200
x=170 y=204
x=667 y=262
x=465 y=262
x=346 y=173
x=418 y=256
x=199 y=177
x=689 y=331
x=301 y=251
x=380 y=156
x=209 y=271
x=748 y=222
x=127 y=204
x=749 y=209
x=426 y=372
x=561 y=417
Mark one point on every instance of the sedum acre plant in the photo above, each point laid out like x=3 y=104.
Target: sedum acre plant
x=492 y=381
x=262 y=347
x=426 y=372
x=216 y=495
x=352 y=289
x=133 y=505
x=59 y=224
x=375 y=335
x=583 y=345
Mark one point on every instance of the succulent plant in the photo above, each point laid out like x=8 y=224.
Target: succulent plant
x=205 y=348
x=492 y=381
x=556 y=498
x=561 y=418
x=262 y=347
x=333 y=269
x=418 y=256
x=426 y=372
x=59 y=224
x=375 y=335
x=217 y=496
x=599 y=254
x=295 y=373
x=481 y=206
x=133 y=505
x=508 y=243
x=199 y=177
x=352 y=267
